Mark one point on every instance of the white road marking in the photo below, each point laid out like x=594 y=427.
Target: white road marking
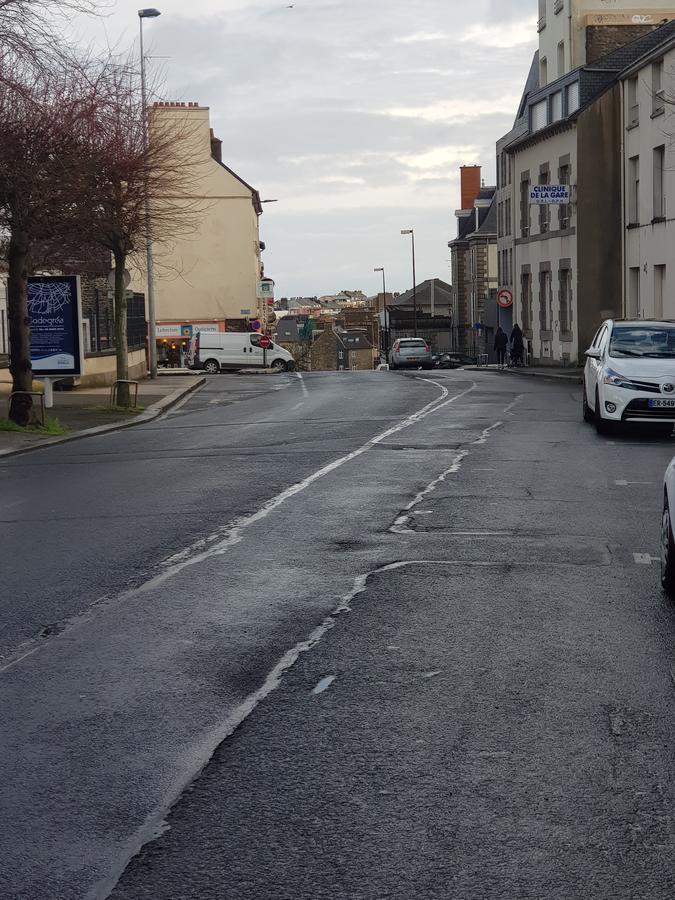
x=324 y=684
x=645 y=559
x=480 y=533
x=515 y=403
x=623 y=483
x=486 y=433
x=432 y=674
x=221 y=540
x=298 y=405
x=305 y=392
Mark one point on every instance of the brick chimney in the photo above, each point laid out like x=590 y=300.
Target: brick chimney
x=216 y=147
x=471 y=184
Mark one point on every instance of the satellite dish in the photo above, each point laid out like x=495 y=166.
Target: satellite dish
x=111 y=278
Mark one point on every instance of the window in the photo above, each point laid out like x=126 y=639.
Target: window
x=510 y=265
x=499 y=167
x=539 y=116
x=526 y=300
x=657 y=88
x=543 y=72
x=564 y=291
x=659 y=283
x=525 y=208
x=545 y=300
x=633 y=299
x=507 y=223
x=556 y=107
x=499 y=267
x=659 y=182
x=564 y=208
x=632 y=108
x=544 y=209
x=573 y=97
x=633 y=189
x=561 y=58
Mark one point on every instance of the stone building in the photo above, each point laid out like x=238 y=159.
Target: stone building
x=473 y=260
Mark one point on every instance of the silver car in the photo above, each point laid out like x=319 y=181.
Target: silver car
x=410 y=353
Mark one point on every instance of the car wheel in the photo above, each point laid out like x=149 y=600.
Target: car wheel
x=211 y=367
x=279 y=365
x=667 y=551
x=602 y=426
x=588 y=413
x=392 y=366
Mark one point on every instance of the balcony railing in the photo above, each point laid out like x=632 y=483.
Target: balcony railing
x=558 y=6
x=541 y=24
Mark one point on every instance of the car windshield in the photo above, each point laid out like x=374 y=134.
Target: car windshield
x=653 y=341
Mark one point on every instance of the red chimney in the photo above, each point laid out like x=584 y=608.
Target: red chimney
x=471 y=184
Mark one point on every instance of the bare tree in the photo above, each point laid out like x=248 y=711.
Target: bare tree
x=136 y=184
x=27 y=27
x=42 y=114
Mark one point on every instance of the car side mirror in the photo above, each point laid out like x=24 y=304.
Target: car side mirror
x=593 y=353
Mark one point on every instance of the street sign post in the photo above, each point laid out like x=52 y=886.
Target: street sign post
x=265 y=343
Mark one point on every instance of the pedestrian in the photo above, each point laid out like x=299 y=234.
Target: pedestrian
x=517 y=345
x=501 y=343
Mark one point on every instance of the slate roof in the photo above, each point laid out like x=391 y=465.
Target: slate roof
x=287 y=330
x=594 y=79
x=487 y=218
x=354 y=340
x=442 y=294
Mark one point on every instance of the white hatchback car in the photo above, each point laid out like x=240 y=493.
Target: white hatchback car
x=630 y=375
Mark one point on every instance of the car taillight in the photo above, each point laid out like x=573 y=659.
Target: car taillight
x=426 y=348
x=397 y=345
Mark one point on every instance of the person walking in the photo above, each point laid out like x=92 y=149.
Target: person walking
x=517 y=345
x=501 y=343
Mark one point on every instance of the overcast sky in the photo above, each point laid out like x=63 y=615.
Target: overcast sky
x=354 y=114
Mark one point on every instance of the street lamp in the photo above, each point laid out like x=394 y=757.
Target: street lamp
x=152 y=324
x=411 y=232
x=384 y=310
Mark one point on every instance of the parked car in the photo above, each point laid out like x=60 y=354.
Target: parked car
x=667 y=541
x=410 y=353
x=217 y=351
x=629 y=375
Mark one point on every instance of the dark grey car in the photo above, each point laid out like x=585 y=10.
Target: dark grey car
x=410 y=353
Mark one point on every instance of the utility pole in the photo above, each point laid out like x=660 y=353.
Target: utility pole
x=152 y=323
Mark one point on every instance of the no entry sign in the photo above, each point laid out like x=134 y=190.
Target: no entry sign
x=265 y=342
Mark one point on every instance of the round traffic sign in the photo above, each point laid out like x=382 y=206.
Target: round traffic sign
x=505 y=298
x=265 y=342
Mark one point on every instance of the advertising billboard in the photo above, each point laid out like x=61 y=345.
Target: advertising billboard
x=55 y=323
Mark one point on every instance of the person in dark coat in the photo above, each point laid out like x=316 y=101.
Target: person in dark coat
x=501 y=343
x=517 y=345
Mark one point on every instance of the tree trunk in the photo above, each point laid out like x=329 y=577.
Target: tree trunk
x=19 y=328
x=121 y=350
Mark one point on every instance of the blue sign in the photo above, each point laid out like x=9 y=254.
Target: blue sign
x=55 y=337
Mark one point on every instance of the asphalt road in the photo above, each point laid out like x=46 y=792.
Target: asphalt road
x=401 y=636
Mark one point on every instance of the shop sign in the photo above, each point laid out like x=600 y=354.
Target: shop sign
x=549 y=193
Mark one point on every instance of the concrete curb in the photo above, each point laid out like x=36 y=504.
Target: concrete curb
x=524 y=373
x=148 y=415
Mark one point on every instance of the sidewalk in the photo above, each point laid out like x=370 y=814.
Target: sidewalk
x=568 y=373
x=85 y=411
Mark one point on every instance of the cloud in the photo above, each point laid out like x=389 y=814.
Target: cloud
x=355 y=115
x=514 y=34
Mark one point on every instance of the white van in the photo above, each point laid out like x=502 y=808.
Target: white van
x=217 y=351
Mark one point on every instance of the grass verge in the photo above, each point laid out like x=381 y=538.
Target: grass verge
x=50 y=428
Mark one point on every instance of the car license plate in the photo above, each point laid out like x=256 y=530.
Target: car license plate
x=661 y=404
x=413 y=358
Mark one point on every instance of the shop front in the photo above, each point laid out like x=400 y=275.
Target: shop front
x=173 y=340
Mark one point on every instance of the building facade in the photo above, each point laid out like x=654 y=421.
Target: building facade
x=575 y=32
x=648 y=96
x=474 y=262
x=209 y=277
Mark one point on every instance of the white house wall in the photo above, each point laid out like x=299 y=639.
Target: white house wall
x=649 y=244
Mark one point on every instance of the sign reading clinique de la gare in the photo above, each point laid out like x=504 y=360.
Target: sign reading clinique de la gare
x=55 y=325
x=550 y=193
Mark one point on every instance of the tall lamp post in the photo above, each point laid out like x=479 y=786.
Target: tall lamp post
x=152 y=324
x=385 y=311
x=411 y=232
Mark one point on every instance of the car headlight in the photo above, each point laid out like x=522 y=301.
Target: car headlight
x=617 y=380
